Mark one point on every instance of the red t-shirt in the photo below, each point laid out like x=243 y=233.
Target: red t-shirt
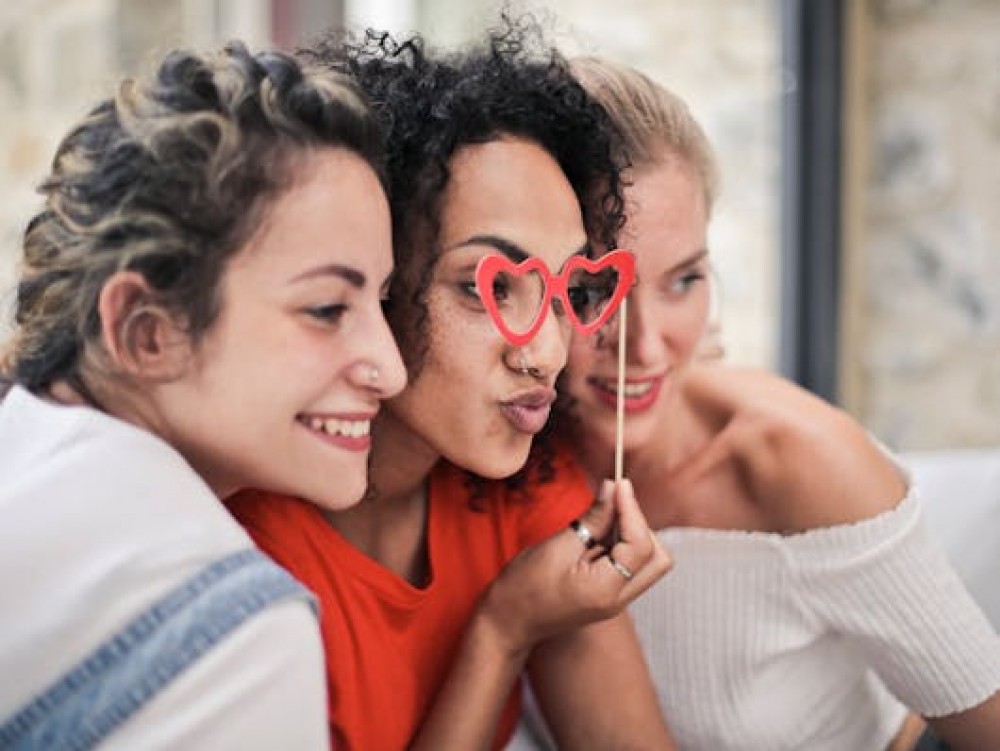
x=389 y=644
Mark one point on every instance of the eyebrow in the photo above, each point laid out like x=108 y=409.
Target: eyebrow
x=512 y=250
x=689 y=261
x=351 y=275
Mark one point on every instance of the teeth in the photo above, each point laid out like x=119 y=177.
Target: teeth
x=346 y=428
x=631 y=390
x=637 y=389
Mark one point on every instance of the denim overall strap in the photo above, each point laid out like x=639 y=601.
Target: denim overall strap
x=88 y=703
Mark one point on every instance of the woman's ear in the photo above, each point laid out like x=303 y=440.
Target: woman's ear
x=140 y=337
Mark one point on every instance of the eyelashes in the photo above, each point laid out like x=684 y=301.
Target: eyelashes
x=330 y=314
x=683 y=284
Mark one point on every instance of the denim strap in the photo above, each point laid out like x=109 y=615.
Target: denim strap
x=88 y=703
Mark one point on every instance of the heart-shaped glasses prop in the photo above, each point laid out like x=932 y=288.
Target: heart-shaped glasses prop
x=518 y=296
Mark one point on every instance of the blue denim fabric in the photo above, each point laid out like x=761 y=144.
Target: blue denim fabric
x=99 y=694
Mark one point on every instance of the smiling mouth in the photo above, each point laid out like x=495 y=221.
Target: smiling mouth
x=333 y=426
x=630 y=391
x=637 y=396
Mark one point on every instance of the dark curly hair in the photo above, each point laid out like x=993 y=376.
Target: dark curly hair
x=169 y=178
x=431 y=105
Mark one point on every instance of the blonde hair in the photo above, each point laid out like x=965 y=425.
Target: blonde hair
x=652 y=122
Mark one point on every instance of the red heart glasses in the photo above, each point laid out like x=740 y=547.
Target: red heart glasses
x=517 y=295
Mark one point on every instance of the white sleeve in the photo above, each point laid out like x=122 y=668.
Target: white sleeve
x=262 y=687
x=886 y=585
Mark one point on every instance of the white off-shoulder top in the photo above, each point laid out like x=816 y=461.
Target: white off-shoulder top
x=818 y=640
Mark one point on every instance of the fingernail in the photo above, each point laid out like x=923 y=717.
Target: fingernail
x=607 y=491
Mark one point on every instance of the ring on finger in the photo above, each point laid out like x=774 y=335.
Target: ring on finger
x=583 y=532
x=621 y=568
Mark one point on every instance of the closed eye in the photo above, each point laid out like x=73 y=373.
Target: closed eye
x=328 y=314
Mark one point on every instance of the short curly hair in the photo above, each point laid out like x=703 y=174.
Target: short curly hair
x=169 y=179
x=432 y=105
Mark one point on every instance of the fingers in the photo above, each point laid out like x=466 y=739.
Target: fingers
x=599 y=518
x=622 y=568
x=632 y=526
x=638 y=552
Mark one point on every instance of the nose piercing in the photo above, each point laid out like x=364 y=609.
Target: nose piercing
x=525 y=369
x=522 y=363
x=372 y=375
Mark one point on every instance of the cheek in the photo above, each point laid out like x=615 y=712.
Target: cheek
x=581 y=364
x=582 y=353
x=461 y=344
x=685 y=325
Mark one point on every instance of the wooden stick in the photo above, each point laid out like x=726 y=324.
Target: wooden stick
x=620 y=412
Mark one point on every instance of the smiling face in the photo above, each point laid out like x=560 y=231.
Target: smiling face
x=667 y=310
x=468 y=401
x=279 y=393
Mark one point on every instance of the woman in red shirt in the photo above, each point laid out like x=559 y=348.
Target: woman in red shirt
x=460 y=568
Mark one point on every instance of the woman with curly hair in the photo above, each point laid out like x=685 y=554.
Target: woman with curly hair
x=198 y=311
x=449 y=579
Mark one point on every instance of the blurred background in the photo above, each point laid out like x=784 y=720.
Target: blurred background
x=858 y=235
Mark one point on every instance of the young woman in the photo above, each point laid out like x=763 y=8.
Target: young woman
x=810 y=608
x=447 y=580
x=198 y=311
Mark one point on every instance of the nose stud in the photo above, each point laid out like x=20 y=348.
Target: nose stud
x=525 y=369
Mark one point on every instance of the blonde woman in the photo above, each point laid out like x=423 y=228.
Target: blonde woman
x=810 y=607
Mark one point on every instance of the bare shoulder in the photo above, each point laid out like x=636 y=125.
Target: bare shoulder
x=804 y=463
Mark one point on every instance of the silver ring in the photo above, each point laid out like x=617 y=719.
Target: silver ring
x=621 y=568
x=586 y=536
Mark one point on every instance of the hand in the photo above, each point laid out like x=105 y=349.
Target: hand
x=562 y=583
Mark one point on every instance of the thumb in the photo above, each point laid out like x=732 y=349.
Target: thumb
x=599 y=518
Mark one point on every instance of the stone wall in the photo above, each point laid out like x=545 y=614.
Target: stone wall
x=57 y=57
x=720 y=54
x=927 y=358
x=924 y=357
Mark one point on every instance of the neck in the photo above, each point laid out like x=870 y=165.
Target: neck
x=662 y=450
x=595 y=454
x=401 y=460
x=390 y=525
x=398 y=468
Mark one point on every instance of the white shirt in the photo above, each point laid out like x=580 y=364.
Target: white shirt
x=818 y=641
x=99 y=519
x=812 y=641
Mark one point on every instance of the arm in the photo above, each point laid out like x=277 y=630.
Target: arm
x=552 y=588
x=891 y=591
x=468 y=707
x=612 y=703
x=972 y=729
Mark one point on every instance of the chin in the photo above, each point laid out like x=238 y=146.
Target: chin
x=333 y=495
x=499 y=466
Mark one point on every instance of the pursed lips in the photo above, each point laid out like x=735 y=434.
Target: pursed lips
x=528 y=411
